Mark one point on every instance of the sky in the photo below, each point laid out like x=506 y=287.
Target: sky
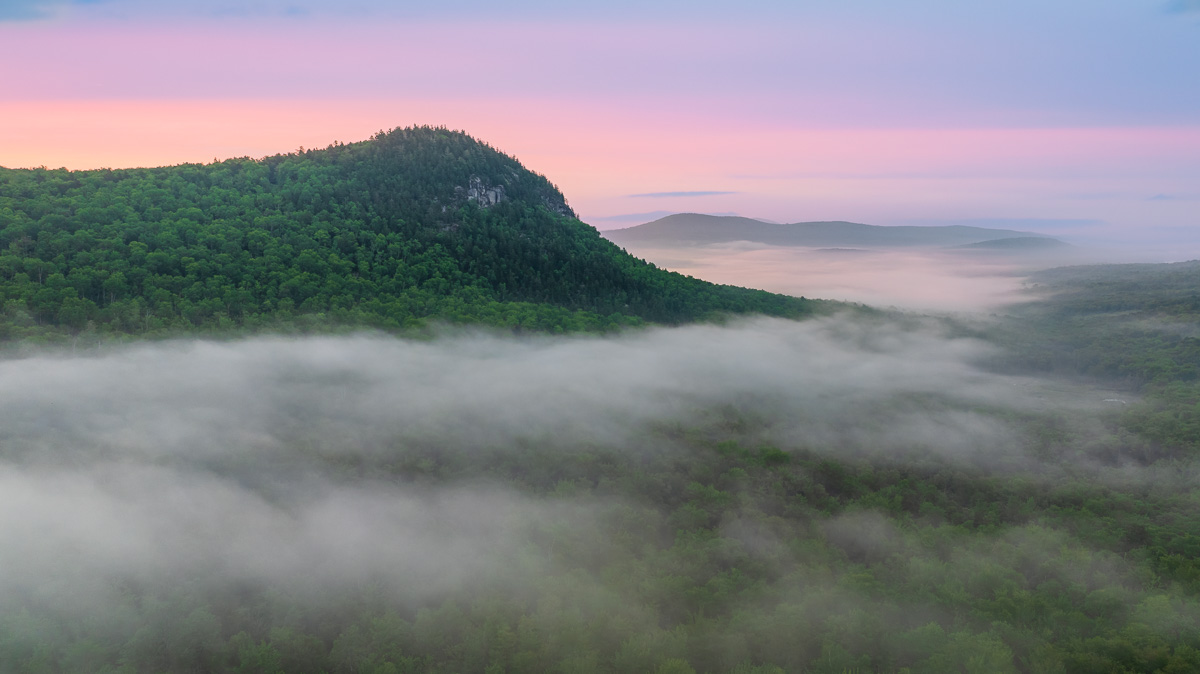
x=1079 y=118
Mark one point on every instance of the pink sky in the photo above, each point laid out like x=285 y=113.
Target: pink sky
x=873 y=175
x=828 y=116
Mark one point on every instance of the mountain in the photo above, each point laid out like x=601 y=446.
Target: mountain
x=693 y=229
x=1018 y=243
x=411 y=225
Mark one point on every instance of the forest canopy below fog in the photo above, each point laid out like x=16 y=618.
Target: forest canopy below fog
x=849 y=493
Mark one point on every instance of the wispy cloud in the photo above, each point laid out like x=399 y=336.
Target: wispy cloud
x=25 y=10
x=32 y=10
x=697 y=193
x=380 y=9
x=651 y=215
x=1183 y=6
x=1033 y=224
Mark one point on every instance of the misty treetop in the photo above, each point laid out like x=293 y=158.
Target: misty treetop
x=413 y=224
x=829 y=496
x=1135 y=324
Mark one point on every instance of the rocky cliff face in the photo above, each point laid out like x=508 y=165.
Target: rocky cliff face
x=484 y=194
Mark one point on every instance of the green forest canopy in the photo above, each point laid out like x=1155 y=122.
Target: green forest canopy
x=414 y=224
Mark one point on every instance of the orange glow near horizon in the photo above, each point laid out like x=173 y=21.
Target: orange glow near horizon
x=601 y=155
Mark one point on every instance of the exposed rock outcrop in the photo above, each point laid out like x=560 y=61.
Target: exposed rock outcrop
x=484 y=194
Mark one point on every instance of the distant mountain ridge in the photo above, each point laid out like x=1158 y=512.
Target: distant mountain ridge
x=694 y=229
x=1017 y=243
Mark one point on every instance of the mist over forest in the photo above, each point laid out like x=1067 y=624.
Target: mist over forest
x=390 y=407
x=921 y=280
x=369 y=337
x=943 y=268
x=662 y=499
x=320 y=460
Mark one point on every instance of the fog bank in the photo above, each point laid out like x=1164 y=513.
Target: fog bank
x=805 y=383
x=243 y=462
x=941 y=280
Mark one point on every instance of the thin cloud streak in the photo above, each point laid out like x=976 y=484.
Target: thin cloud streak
x=643 y=217
x=665 y=195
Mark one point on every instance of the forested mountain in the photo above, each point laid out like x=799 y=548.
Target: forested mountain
x=694 y=229
x=413 y=224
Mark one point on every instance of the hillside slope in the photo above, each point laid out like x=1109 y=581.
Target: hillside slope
x=694 y=229
x=413 y=224
x=1018 y=243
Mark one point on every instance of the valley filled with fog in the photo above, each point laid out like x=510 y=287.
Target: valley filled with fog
x=696 y=496
x=918 y=280
x=429 y=338
x=370 y=421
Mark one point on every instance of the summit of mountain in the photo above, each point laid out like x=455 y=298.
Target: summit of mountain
x=415 y=224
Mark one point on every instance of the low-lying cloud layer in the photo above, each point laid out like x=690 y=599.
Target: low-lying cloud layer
x=237 y=460
x=193 y=401
x=923 y=280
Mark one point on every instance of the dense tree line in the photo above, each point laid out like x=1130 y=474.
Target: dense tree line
x=382 y=233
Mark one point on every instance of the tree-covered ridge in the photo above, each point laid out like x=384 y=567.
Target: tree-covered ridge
x=413 y=224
